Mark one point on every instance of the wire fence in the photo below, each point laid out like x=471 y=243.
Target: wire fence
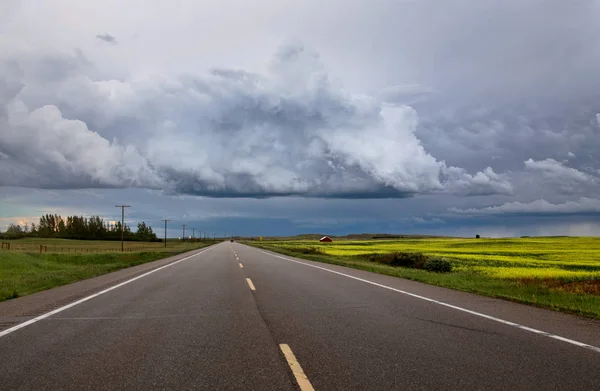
x=43 y=249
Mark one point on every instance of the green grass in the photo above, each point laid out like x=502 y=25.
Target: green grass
x=23 y=273
x=557 y=273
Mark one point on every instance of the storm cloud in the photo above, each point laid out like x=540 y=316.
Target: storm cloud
x=224 y=133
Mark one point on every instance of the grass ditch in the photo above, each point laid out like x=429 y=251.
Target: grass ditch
x=22 y=274
x=563 y=294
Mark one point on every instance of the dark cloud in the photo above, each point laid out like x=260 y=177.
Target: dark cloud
x=505 y=136
x=107 y=38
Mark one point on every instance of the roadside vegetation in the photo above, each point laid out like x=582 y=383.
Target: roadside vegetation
x=26 y=272
x=560 y=273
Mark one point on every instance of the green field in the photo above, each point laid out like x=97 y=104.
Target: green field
x=24 y=272
x=95 y=246
x=561 y=273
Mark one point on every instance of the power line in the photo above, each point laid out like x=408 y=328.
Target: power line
x=165 y=220
x=122 y=221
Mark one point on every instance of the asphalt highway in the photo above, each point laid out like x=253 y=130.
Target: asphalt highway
x=233 y=317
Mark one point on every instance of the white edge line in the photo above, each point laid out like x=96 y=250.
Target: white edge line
x=73 y=304
x=506 y=322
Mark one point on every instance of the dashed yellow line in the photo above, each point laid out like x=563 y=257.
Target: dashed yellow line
x=299 y=374
x=241 y=266
x=250 y=284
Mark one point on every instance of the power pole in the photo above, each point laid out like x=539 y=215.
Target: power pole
x=165 y=220
x=122 y=221
x=183 y=237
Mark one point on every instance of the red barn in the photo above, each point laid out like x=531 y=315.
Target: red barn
x=325 y=239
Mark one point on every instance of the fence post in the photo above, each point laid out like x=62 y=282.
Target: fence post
x=41 y=248
x=8 y=246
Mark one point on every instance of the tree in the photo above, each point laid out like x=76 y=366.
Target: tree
x=144 y=233
x=43 y=231
x=62 y=229
x=14 y=229
x=80 y=227
x=14 y=232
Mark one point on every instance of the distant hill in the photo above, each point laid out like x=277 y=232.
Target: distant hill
x=362 y=236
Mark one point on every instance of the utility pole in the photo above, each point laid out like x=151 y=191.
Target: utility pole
x=183 y=237
x=122 y=221
x=165 y=220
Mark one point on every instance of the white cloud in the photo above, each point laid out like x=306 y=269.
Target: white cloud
x=557 y=170
x=485 y=182
x=560 y=178
x=584 y=205
x=225 y=133
x=41 y=147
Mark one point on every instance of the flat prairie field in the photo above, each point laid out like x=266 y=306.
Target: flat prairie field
x=561 y=273
x=55 y=245
x=24 y=269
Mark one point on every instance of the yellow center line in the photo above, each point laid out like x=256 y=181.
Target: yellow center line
x=250 y=284
x=241 y=266
x=299 y=374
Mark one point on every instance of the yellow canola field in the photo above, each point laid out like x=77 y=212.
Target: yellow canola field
x=547 y=257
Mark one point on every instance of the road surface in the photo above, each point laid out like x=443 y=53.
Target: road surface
x=222 y=319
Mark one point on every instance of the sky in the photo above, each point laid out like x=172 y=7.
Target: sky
x=287 y=117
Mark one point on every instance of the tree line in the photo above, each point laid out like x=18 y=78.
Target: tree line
x=79 y=227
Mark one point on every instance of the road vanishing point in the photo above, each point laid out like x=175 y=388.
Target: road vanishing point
x=233 y=317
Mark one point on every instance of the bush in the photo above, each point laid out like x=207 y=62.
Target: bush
x=438 y=265
x=386 y=259
x=308 y=250
x=414 y=260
